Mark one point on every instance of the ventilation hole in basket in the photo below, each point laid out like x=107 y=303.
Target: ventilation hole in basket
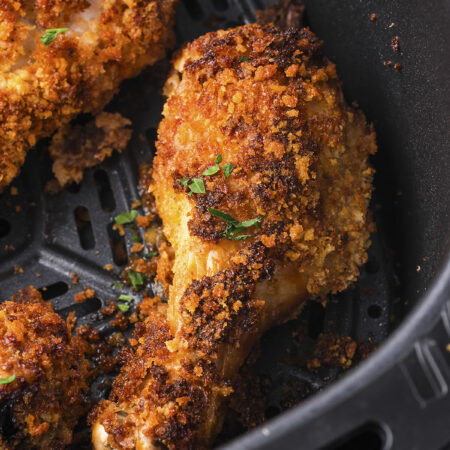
x=194 y=9
x=374 y=311
x=105 y=192
x=368 y=437
x=84 y=227
x=220 y=5
x=5 y=227
x=118 y=247
x=82 y=309
x=152 y=135
x=54 y=290
x=372 y=266
x=272 y=411
x=73 y=188
x=316 y=319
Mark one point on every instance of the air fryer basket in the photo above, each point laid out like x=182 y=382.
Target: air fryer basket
x=398 y=397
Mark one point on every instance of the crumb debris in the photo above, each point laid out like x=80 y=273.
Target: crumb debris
x=387 y=63
x=373 y=17
x=81 y=297
x=108 y=267
x=398 y=67
x=395 y=43
x=18 y=269
x=75 y=278
x=76 y=147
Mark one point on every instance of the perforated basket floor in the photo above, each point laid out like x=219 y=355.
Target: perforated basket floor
x=45 y=239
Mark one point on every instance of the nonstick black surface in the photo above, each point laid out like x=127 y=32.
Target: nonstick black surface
x=39 y=234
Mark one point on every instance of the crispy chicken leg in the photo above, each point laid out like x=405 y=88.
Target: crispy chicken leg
x=290 y=222
x=45 y=86
x=43 y=374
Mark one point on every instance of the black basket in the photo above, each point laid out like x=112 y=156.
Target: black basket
x=45 y=239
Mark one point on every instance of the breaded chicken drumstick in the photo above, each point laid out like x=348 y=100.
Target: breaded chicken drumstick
x=43 y=375
x=86 y=50
x=286 y=222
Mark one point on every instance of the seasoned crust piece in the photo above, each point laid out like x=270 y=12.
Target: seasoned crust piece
x=44 y=87
x=40 y=408
x=269 y=103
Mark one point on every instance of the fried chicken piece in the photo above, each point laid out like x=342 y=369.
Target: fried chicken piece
x=270 y=104
x=43 y=403
x=44 y=87
x=77 y=147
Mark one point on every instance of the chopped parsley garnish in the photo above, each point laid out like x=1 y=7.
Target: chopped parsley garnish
x=7 y=380
x=227 y=169
x=126 y=298
x=150 y=255
x=214 y=169
x=244 y=58
x=126 y=217
x=197 y=186
x=50 y=35
x=235 y=227
x=211 y=170
x=123 y=307
x=118 y=285
x=136 y=278
x=183 y=181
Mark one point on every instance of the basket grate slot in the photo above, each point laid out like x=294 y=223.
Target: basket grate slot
x=105 y=193
x=5 y=228
x=118 y=247
x=84 y=227
x=54 y=290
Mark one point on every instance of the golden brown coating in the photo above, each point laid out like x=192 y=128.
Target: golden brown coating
x=42 y=405
x=270 y=104
x=44 y=87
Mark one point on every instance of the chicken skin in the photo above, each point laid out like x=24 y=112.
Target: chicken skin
x=45 y=83
x=262 y=183
x=43 y=375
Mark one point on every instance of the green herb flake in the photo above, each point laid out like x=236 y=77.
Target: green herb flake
x=183 y=181
x=151 y=255
x=50 y=35
x=7 y=380
x=218 y=159
x=118 y=285
x=235 y=227
x=136 y=278
x=126 y=298
x=244 y=58
x=223 y=216
x=126 y=217
x=227 y=169
x=123 y=307
x=211 y=170
x=197 y=186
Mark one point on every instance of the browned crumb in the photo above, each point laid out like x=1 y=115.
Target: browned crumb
x=387 y=63
x=120 y=321
x=14 y=190
x=144 y=221
x=137 y=247
x=74 y=148
x=136 y=204
x=395 y=44
x=373 y=17
x=109 y=309
x=74 y=278
x=81 y=297
x=108 y=267
x=18 y=269
x=398 y=67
